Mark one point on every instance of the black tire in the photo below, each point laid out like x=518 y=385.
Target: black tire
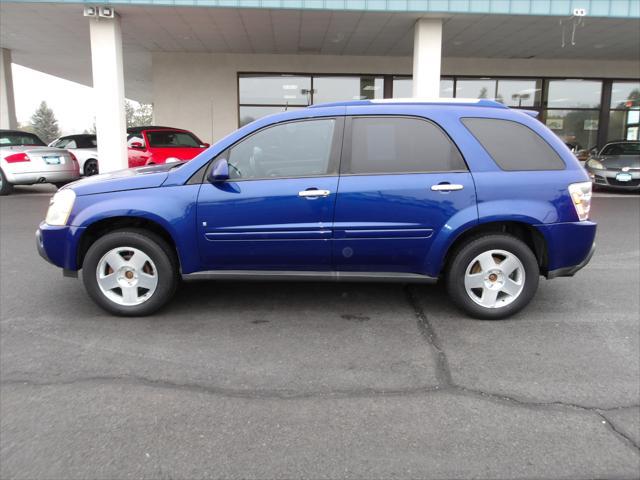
x=152 y=245
x=466 y=253
x=59 y=185
x=90 y=167
x=5 y=187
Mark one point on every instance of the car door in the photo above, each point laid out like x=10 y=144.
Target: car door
x=276 y=209
x=402 y=179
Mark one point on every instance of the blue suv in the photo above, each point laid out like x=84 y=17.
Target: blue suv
x=470 y=192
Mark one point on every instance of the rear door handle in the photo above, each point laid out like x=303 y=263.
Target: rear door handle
x=446 y=187
x=314 y=193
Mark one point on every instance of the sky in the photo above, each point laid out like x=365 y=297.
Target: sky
x=71 y=102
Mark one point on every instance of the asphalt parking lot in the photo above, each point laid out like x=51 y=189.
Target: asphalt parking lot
x=261 y=380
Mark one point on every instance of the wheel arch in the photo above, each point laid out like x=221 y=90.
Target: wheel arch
x=529 y=234
x=106 y=225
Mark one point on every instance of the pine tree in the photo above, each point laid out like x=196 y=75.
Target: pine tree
x=44 y=123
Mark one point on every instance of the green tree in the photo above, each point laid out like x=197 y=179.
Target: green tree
x=138 y=115
x=44 y=123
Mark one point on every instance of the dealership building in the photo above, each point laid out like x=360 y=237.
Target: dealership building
x=213 y=65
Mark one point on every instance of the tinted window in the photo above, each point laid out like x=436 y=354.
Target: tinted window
x=87 y=142
x=172 y=139
x=14 y=139
x=296 y=149
x=400 y=145
x=513 y=146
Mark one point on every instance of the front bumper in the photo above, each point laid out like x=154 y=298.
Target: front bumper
x=59 y=245
x=608 y=179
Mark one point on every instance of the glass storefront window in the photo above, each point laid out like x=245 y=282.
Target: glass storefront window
x=625 y=95
x=476 y=88
x=574 y=94
x=403 y=87
x=250 y=113
x=578 y=128
x=338 y=89
x=519 y=93
x=275 y=90
x=624 y=125
x=624 y=116
x=513 y=93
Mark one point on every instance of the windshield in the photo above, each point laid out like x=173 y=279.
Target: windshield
x=172 y=138
x=18 y=139
x=631 y=148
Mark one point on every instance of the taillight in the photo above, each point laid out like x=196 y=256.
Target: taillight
x=17 y=157
x=581 y=198
x=73 y=157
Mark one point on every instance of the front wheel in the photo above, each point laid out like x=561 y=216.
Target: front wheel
x=130 y=272
x=493 y=276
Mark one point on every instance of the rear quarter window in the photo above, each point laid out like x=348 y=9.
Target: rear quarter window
x=513 y=146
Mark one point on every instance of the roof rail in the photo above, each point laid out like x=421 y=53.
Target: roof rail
x=471 y=102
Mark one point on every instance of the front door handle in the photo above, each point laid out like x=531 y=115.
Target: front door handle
x=446 y=187
x=314 y=193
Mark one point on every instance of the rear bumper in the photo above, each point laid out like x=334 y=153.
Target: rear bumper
x=571 y=271
x=47 y=176
x=59 y=245
x=570 y=247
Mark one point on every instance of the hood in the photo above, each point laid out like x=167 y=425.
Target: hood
x=620 y=161
x=129 y=179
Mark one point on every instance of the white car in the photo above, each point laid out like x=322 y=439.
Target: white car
x=84 y=147
x=26 y=160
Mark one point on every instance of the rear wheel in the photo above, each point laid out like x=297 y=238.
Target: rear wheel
x=130 y=272
x=5 y=187
x=492 y=277
x=90 y=167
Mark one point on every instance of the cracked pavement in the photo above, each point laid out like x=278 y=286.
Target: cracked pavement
x=261 y=380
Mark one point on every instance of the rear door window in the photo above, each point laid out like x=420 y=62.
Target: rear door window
x=399 y=145
x=513 y=146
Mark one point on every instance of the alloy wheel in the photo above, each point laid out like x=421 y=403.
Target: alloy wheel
x=127 y=276
x=494 y=279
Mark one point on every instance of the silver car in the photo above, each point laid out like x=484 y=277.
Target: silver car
x=616 y=166
x=26 y=160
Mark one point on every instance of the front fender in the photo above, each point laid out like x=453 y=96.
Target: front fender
x=172 y=208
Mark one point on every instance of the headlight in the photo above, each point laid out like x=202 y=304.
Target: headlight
x=60 y=207
x=595 y=164
x=581 y=198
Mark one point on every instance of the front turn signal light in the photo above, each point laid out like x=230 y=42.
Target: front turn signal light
x=581 y=198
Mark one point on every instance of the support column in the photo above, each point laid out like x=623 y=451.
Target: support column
x=7 y=101
x=427 y=57
x=108 y=88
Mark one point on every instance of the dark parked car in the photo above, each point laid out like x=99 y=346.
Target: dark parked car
x=616 y=166
x=471 y=192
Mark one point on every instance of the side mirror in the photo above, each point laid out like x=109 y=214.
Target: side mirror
x=138 y=145
x=219 y=172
